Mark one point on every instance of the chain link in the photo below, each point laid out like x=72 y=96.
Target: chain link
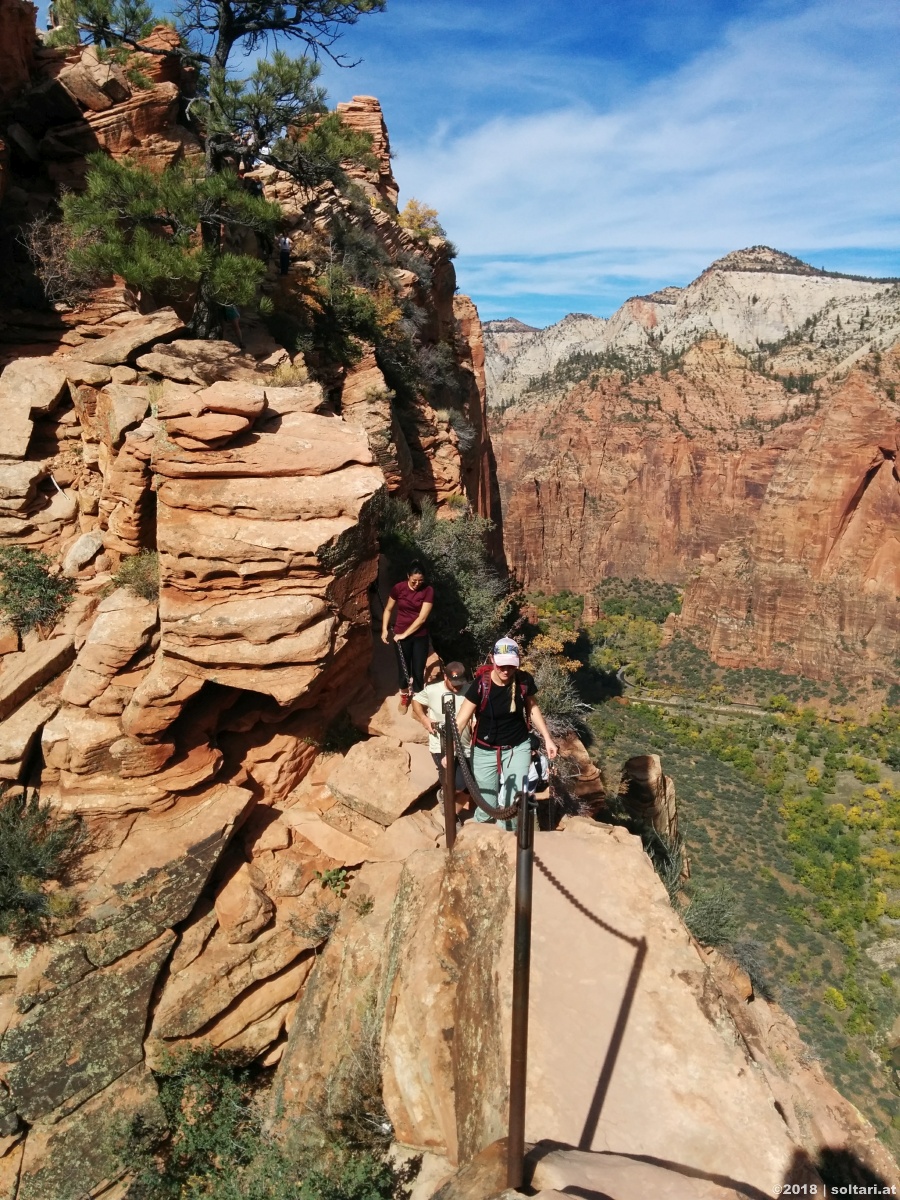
x=496 y=814
x=408 y=684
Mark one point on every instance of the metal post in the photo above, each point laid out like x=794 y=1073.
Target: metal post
x=448 y=772
x=518 y=1067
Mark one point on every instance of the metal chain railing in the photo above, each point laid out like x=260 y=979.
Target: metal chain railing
x=452 y=737
x=407 y=686
x=523 y=808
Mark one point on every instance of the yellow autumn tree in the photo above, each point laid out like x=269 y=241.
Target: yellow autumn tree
x=420 y=220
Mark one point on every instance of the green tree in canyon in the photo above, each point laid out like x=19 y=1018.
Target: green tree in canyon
x=185 y=228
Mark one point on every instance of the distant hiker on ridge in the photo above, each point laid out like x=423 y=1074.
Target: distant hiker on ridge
x=285 y=246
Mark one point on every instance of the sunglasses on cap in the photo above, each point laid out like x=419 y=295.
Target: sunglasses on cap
x=457 y=678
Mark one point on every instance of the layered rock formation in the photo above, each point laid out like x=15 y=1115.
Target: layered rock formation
x=766 y=502
x=182 y=716
x=184 y=728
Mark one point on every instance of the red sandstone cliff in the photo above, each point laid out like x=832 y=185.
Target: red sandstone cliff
x=684 y=479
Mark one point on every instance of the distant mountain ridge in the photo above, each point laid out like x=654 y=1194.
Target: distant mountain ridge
x=800 y=318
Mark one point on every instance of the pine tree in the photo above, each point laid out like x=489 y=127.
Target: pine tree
x=277 y=114
x=144 y=226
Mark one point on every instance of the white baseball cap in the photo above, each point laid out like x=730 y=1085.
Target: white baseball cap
x=506 y=653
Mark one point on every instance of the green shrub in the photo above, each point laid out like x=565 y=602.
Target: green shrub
x=140 y=572
x=215 y=1145
x=835 y=998
x=358 y=1176
x=35 y=847
x=421 y=220
x=710 y=916
x=470 y=598
x=30 y=596
x=638 y=598
x=340 y=735
x=334 y=878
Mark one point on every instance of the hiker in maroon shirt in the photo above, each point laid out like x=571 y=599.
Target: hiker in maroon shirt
x=412 y=602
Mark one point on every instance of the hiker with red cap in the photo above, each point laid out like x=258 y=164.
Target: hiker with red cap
x=412 y=602
x=502 y=701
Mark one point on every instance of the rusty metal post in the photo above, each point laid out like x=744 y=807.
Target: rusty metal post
x=448 y=772
x=518 y=1066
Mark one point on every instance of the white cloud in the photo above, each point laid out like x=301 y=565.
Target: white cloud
x=786 y=133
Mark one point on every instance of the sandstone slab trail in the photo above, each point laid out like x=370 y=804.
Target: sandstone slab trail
x=634 y=1056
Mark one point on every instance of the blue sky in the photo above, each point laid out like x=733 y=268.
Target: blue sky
x=583 y=151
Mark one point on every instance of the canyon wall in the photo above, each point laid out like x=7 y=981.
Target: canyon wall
x=763 y=482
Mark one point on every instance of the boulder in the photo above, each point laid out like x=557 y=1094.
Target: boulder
x=18 y=732
x=78 y=82
x=242 y=907
x=240 y=400
x=82 y=552
x=353 y=824
x=106 y=74
x=212 y=429
x=381 y=778
x=126 y=375
x=119 y=346
x=234 y=399
x=159 y=698
x=308 y=397
x=78 y=372
x=18 y=485
x=336 y=844
x=200 y=362
x=169 y=365
x=28 y=387
x=24 y=672
x=121 y=628
x=119 y=409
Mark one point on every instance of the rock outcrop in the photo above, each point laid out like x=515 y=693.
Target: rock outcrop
x=420 y=966
x=18 y=38
x=363 y=114
x=179 y=709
